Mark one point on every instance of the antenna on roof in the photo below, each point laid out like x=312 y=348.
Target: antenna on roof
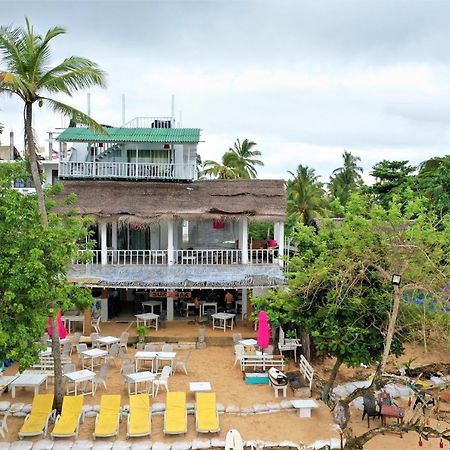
x=123 y=109
x=179 y=120
x=89 y=104
x=173 y=110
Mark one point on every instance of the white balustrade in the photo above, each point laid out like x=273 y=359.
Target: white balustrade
x=124 y=170
x=182 y=257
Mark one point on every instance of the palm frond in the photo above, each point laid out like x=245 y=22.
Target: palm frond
x=75 y=114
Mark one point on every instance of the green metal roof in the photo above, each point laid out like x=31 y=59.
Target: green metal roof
x=169 y=135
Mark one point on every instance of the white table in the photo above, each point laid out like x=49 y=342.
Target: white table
x=69 y=320
x=92 y=355
x=107 y=341
x=155 y=358
x=304 y=406
x=248 y=342
x=205 y=304
x=152 y=304
x=147 y=320
x=28 y=380
x=140 y=377
x=223 y=319
x=200 y=386
x=81 y=376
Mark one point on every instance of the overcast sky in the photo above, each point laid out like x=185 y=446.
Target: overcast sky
x=306 y=80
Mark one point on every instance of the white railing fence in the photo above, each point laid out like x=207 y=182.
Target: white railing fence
x=140 y=171
x=182 y=257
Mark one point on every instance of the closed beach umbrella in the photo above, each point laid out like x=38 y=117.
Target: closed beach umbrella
x=61 y=328
x=263 y=338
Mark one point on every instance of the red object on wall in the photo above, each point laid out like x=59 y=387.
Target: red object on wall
x=218 y=223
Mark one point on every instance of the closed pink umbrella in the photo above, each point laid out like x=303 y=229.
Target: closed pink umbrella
x=263 y=338
x=61 y=328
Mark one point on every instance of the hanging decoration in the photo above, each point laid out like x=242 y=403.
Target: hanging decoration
x=138 y=226
x=218 y=224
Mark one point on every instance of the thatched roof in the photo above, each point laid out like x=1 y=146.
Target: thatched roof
x=261 y=200
x=177 y=276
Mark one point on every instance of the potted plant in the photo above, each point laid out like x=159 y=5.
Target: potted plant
x=141 y=331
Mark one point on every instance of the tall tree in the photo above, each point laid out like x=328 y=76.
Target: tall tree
x=305 y=195
x=33 y=264
x=346 y=179
x=245 y=158
x=391 y=178
x=237 y=162
x=25 y=71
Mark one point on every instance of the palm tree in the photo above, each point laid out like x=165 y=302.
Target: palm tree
x=305 y=195
x=227 y=169
x=245 y=161
x=346 y=179
x=26 y=73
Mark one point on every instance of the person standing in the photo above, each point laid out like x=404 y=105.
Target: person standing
x=197 y=304
x=229 y=301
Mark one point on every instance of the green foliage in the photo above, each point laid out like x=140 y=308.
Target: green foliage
x=237 y=163
x=340 y=287
x=33 y=265
x=260 y=230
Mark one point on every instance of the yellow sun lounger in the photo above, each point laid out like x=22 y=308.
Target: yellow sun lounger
x=206 y=415
x=68 y=423
x=175 y=416
x=140 y=416
x=107 y=421
x=36 y=422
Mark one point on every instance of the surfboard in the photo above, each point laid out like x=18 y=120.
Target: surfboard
x=233 y=441
x=277 y=377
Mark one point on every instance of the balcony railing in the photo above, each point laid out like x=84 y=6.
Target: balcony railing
x=182 y=257
x=123 y=170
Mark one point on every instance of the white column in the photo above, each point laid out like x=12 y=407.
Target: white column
x=170 y=258
x=170 y=302
x=243 y=240
x=280 y=240
x=103 y=247
x=114 y=235
x=244 y=303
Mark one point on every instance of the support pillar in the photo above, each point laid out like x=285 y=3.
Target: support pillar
x=280 y=240
x=170 y=302
x=170 y=258
x=243 y=240
x=103 y=246
x=114 y=235
x=244 y=303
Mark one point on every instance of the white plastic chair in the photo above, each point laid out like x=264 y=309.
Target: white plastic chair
x=124 y=340
x=288 y=344
x=4 y=425
x=150 y=348
x=239 y=352
x=182 y=362
x=68 y=368
x=112 y=353
x=101 y=377
x=96 y=325
x=81 y=348
x=167 y=348
x=74 y=341
x=163 y=380
x=94 y=337
x=236 y=338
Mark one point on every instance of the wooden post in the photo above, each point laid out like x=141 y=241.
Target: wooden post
x=249 y=311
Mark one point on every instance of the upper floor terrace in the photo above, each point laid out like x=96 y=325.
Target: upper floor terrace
x=143 y=149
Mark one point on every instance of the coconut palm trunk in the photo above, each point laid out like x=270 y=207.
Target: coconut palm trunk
x=56 y=351
x=33 y=162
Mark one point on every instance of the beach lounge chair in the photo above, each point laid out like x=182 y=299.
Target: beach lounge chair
x=107 y=421
x=36 y=422
x=140 y=417
x=68 y=423
x=206 y=415
x=175 y=416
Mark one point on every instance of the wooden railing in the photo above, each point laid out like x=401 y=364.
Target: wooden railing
x=182 y=257
x=123 y=170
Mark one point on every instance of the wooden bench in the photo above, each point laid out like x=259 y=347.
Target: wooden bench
x=261 y=362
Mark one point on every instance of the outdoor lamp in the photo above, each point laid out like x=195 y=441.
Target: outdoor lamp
x=396 y=279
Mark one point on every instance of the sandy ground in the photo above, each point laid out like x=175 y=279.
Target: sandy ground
x=215 y=364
